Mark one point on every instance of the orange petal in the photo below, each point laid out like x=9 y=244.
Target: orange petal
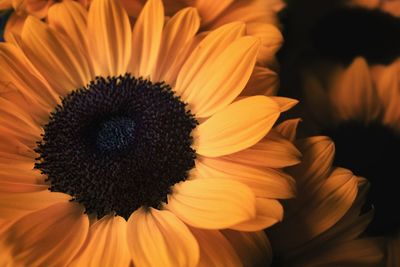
x=353 y=93
x=207 y=50
x=263 y=81
x=318 y=153
x=13 y=205
x=216 y=85
x=146 y=38
x=210 y=9
x=215 y=249
x=253 y=248
x=5 y=4
x=70 y=18
x=269 y=212
x=264 y=182
x=45 y=238
x=288 y=129
x=212 y=203
x=236 y=127
x=285 y=103
x=106 y=244
x=14 y=25
x=12 y=187
x=47 y=49
x=178 y=31
x=159 y=238
x=18 y=71
x=109 y=37
x=272 y=151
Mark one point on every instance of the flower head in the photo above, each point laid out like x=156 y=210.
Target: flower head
x=137 y=139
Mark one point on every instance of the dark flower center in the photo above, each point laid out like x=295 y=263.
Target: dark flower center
x=118 y=144
x=372 y=151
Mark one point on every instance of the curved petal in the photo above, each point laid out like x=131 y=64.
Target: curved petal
x=70 y=18
x=236 y=127
x=273 y=151
x=263 y=81
x=216 y=85
x=48 y=50
x=44 y=237
x=264 y=182
x=207 y=50
x=285 y=103
x=159 y=238
x=146 y=38
x=288 y=129
x=253 y=248
x=13 y=205
x=212 y=203
x=269 y=212
x=109 y=37
x=318 y=154
x=215 y=249
x=17 y=71
x=106 y=244
x=353 y=93
x=178 y=32
x=210 y=9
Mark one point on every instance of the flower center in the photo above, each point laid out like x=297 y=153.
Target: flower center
x=117 y=144
x=115 y=134
x=371 y=151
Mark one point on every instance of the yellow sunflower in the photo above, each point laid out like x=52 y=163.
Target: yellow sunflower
x=323 y=223
x=260 y=17
x=136 y=146
x=357 y=107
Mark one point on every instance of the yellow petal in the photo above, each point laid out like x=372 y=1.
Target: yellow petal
x=212 y=203
x=13 y=205
x=48 y=237
x=159 y=238
x=272 y=151
x=269 y=212
x=207 y=50
x=178 y=31
x=146 y=38
x=288 y=129
x=271 y=40
x=215 y=249
x=106 y=244
x=109 y=37
x=263 y=81
x=253 y=248
x=285 y=103
x=264 y=182
x=236 y=127
x=223 y=79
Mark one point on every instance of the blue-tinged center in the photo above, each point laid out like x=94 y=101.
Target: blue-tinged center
x=115 y=134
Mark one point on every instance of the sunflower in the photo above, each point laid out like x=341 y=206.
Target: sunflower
x=260 y=17
x=358 y=108
x=136 y=145
x=323 y=223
